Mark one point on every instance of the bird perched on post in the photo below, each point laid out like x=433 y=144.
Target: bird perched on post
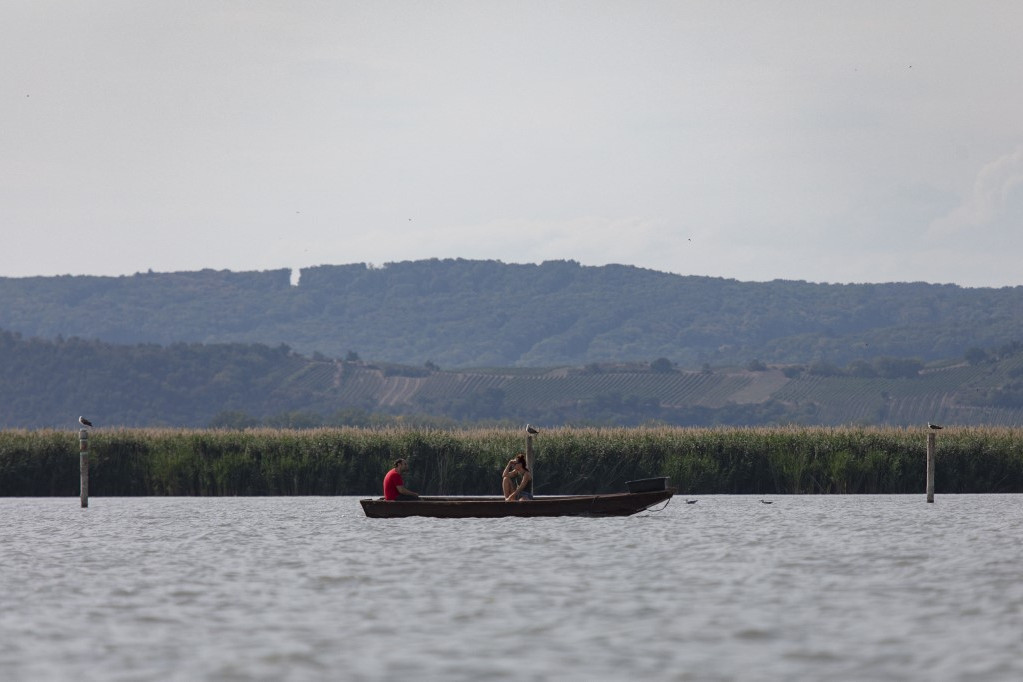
x=531 y=430
x=84 y=422
x=934 y=426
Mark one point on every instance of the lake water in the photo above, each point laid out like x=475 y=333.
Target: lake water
x=806 y=588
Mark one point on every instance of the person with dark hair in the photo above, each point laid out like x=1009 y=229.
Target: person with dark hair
x=516 y=480
x=394 y=484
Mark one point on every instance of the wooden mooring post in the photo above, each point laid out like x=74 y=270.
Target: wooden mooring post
x=529 y=462
x=83 y=464
x=931 y=438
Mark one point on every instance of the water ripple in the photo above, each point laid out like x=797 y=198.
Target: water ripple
x=867 y=587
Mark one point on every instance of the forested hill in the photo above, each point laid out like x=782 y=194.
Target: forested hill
x=461 y=313
x=49 y=383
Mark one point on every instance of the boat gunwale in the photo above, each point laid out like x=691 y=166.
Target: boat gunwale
x=607 y=504
x=438 y=499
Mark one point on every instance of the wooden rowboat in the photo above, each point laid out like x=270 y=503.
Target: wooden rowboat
x=614 y=504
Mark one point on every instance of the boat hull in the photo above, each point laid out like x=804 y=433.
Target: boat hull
x=615 y=504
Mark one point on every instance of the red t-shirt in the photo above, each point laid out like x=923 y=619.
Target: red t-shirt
x=391 y=482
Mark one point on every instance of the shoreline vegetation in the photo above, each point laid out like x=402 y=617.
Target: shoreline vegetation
x=352 y=461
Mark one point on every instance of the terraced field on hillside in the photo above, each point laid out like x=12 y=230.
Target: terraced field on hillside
x=349 y=384
x=939 y=394
x=672 y=390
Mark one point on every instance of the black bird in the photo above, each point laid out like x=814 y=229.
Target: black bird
x=84 y=422
x=532 y=430
x=934 y=426
x=691 y=501
x=766 y=501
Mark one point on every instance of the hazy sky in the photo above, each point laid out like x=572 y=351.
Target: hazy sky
x=849 y=141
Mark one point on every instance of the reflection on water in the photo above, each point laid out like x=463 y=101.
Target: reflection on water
x=835 y=587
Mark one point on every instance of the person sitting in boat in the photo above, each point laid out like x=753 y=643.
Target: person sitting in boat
x=394 y=484
x=516 y=480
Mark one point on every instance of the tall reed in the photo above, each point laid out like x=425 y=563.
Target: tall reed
x=352 y=461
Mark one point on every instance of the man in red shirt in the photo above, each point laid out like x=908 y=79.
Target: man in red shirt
x=394 y=485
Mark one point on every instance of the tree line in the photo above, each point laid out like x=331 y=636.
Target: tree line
x=49 y=383
x=459 y=313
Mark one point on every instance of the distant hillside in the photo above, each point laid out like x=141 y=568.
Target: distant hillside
x=459 y=313
x=49 y=383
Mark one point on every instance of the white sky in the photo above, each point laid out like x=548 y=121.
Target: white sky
x=849 y=141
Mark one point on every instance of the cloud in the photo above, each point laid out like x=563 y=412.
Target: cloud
x=989 y=199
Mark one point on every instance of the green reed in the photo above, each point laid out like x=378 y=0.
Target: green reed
x=352 y=461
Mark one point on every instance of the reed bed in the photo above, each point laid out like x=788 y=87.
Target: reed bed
x=352 y=461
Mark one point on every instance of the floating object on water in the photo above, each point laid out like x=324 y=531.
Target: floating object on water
x=691 y=501
x=766 y=501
